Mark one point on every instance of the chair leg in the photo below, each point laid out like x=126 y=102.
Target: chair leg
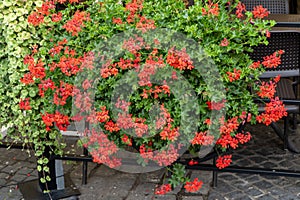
x=84 y=167
x=215 y=175
x=285 y=133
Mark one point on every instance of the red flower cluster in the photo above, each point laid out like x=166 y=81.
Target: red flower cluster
x=69 y=65
x=77 y=22
x=274 y=111
x=272 y=61
x=62 y=93
x=158 y=89
x=202 y=138
x=25 y=104
x=108 y=70
x=230 y=126
x=105 y=149
x=36 y=18
x=212 y=105
x=126 y=140
x=169 y=134
x=163 y=119
x=61 y=121
x=179 y=59
x=27 y=79
x=133 y=7
x=111 y=127
x=145 y=24
x=243 y=137
x=37 y=70
x=227 y=138
x=162 y=157
x=58 y=47
x=102 y=116
x=83 y=102
x=212 y=9
x=224 y=42
x=193 y=186
x=240 y=8
x=163 y=189
x=134 y=44
x=255 y=65
x=117 y=20
x=267 y=89
x=223 y=161
x=260 y=12
x=149 y=68
x=45 y=85
x=235 y=75
x=56 y=17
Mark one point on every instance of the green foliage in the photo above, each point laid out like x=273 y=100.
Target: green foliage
x=99 y=33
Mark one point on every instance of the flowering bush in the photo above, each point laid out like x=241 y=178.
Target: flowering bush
x=157 y=79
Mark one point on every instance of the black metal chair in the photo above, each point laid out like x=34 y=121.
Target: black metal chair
x=273 y=6
x=289 y=41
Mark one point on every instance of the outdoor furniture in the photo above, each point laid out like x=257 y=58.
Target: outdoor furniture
x=273 y=6
x=289 y=41
x=288 y=21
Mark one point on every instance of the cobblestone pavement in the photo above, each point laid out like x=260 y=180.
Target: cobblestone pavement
x=264 y=150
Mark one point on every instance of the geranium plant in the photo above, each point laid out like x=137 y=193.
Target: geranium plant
x=157 y=78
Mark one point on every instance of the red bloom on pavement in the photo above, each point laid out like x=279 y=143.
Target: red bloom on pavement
x=223 y=161
x=260 y=12
x=163 y=189
x=193 y=186
x=193 y=162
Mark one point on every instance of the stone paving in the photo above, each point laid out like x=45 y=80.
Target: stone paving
x=264 y=150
